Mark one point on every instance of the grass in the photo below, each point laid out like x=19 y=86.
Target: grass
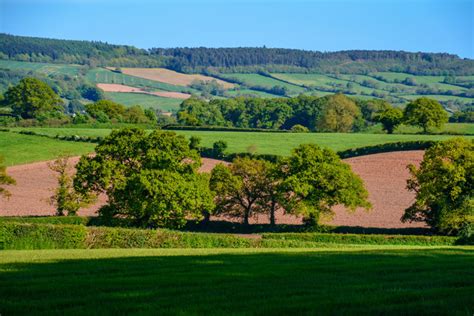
x=259 y=80
x=44 y=68
x=368 y=280
x=265 y=143
x=145 y=100
x=448 y=128
x=20 y=149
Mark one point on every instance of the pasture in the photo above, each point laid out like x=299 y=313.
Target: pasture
x=145 y=100
x=344 y=280
x=259 y=80
x=20 y=149
x=42 y=68
x=17 y=149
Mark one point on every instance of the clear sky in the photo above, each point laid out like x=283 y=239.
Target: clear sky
x=324 y=25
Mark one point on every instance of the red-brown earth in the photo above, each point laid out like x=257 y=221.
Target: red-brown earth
x=384 y=176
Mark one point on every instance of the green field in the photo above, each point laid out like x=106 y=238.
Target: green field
x=259 y=80
x=145 y=100
x=43 y=68
x=362 y=280
x=18 y=149
x=246 y=92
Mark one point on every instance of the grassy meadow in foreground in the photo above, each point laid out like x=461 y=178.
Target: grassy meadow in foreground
x=19 y=149
x=364 y=280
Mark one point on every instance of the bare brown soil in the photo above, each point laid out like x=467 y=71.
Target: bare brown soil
x=384 y=176
x=171 y=77
x=113 y=87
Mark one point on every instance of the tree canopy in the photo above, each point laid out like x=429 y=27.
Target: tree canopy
x=32 y=97
x=426 y=113
x=444 y=186
x=317 y=180
x=150 y=178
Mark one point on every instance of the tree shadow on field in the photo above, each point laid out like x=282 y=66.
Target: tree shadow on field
x=217 y=282
x=221 y=226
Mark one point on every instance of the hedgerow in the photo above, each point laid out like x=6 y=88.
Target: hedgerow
x=48 y=236
x=364 y=239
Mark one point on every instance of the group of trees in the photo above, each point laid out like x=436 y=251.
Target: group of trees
x=331 y=113
x=334 y=113
x=153 y=180
x=32 y=98
x=242 y=59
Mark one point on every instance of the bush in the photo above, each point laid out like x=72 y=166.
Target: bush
x=387 y=147
x=46 y=236
x=298 y=128
x=364 y=239
x=41 y=236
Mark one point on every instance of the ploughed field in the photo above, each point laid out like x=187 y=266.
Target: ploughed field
x=384 y=176
x=356 y=280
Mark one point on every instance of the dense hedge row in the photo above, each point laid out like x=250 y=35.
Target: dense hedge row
x=47 y=236
x=388 y=147
x=364 y=239
x=74 y=138
x=223 y=129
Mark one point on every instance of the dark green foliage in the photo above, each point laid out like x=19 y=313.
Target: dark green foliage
x=150 y=178
x=387 y=147
x=219 y=148
x=92 y=93
x=390 y=118
x=371 y=239
x=466 y=116
x=444 y=186
x=31 y=98
x=246 y=59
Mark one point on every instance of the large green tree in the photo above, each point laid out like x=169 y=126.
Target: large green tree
x=241 y=187
x=339 y=114
x=390 y=118
x=32 y=97
x=316 y=179
x=426 y=113
x=444 y=186
x=149 y=178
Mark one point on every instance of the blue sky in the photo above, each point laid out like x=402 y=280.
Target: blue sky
x=325 y=25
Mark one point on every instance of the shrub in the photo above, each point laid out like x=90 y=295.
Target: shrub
x=41 y=236
x=364 y=239
x=298 y=128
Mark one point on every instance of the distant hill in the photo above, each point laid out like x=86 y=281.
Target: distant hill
x=239 y=60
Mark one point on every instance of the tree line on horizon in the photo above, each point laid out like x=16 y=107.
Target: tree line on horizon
x=241 y=59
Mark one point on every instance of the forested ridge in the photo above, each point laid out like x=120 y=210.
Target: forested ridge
x=241 y=59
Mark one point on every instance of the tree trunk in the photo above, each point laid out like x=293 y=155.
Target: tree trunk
x=246 y=217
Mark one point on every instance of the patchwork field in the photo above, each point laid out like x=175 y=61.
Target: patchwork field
x=259 y=80
x=145 y=100
x=113 y=87
x=171 y=77
x=102 y=75
x=368 y=280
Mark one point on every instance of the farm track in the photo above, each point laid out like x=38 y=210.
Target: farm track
x=384 y=176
